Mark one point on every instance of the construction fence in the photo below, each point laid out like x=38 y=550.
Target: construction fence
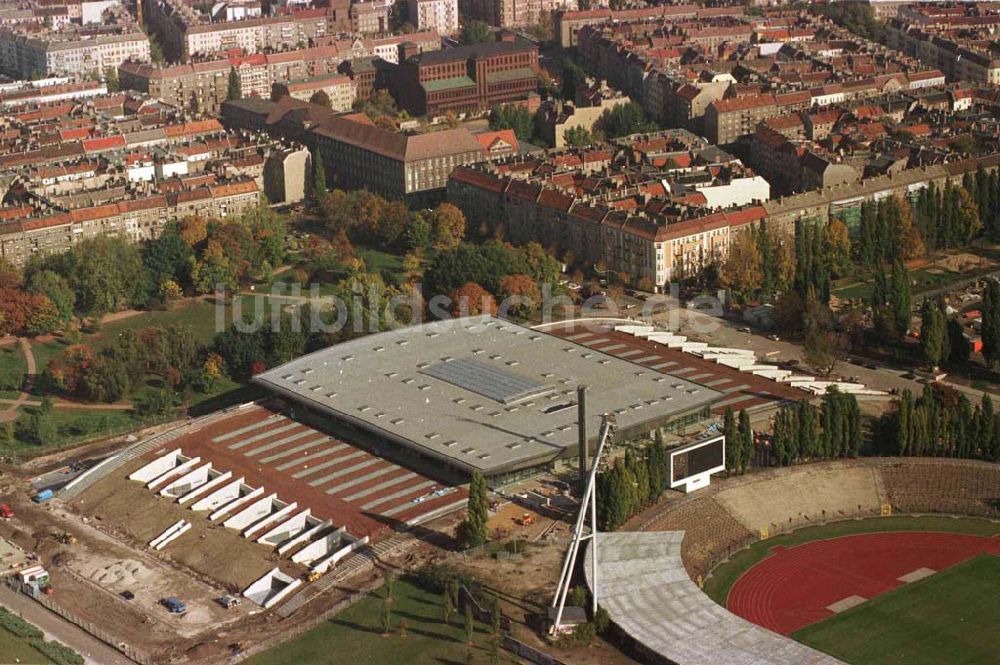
x=120 y=645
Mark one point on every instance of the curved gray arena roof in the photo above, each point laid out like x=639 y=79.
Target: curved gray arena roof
x=648 y=594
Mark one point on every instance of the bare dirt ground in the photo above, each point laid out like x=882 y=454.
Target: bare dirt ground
x=136 y=515
x=88 y=576
x=116 y=517
x=962 y=261
x=525 y=587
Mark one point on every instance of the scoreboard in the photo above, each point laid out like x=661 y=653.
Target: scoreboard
x=692 y=464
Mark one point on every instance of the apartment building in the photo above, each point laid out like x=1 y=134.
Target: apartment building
x=514 y=13
x=339 y=88
x=137 y=219
x=960 y=60
x=437 y=15
x=370 y=17
x=203 y=86
x=29 y=56
x=184 y=32
x=568 y=23
x=645 y=246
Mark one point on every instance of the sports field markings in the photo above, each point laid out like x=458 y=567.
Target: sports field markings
x=918 y=574
x=846 y=604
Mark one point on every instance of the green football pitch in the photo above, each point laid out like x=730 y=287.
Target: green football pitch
x=951 y=617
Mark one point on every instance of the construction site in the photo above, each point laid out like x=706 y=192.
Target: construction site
x=233 y=515
x=258 y=520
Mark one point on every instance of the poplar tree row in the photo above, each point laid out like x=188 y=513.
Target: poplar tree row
x=637 y=480
x=739 y=441
x=805 y=432
x=631 y=484
x=941 y=338
x=941 y=422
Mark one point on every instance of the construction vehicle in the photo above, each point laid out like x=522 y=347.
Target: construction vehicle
x=228 y=601
x=43 y=496
x=527 y=519
x=313 y=575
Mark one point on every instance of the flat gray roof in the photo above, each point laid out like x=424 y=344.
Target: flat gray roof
x=481 y=392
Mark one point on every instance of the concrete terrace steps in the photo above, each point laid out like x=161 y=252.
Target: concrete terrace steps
x=363 y=559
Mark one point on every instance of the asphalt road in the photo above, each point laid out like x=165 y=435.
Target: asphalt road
x=55 y=627
x=720 y=332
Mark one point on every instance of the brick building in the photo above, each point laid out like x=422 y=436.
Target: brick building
x=467 y=78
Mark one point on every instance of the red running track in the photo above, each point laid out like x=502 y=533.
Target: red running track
x=792 y=587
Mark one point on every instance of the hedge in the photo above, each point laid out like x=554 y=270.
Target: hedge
x=60 y=654
x=17 y=625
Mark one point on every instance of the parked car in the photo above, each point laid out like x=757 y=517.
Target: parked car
x=745 y=329
x=174 y=605
x=774 y=338
x=127 y=595
x=6 y=511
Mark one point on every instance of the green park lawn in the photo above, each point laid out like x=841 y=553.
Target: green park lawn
x=12 y=364
x=949 y=617
x=377 y=260
x=14 y=649
x=725 y=575
x=357 y=631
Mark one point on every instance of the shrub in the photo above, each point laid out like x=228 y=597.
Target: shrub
x=434 y=578
x=17 y=625
x=602 y=621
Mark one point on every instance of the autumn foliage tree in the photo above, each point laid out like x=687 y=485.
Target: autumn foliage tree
x=519 y=296
x=24 y=313
x=742 y=271
x=470 y=299
x=448 y=226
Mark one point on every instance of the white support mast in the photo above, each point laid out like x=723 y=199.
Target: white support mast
x=588 y=503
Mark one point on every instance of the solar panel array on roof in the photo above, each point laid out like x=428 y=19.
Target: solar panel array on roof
x=492 y=382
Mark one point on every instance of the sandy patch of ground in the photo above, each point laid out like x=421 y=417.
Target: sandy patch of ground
x=812 y=493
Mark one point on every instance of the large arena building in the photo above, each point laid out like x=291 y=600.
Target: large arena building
x=484 y=394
